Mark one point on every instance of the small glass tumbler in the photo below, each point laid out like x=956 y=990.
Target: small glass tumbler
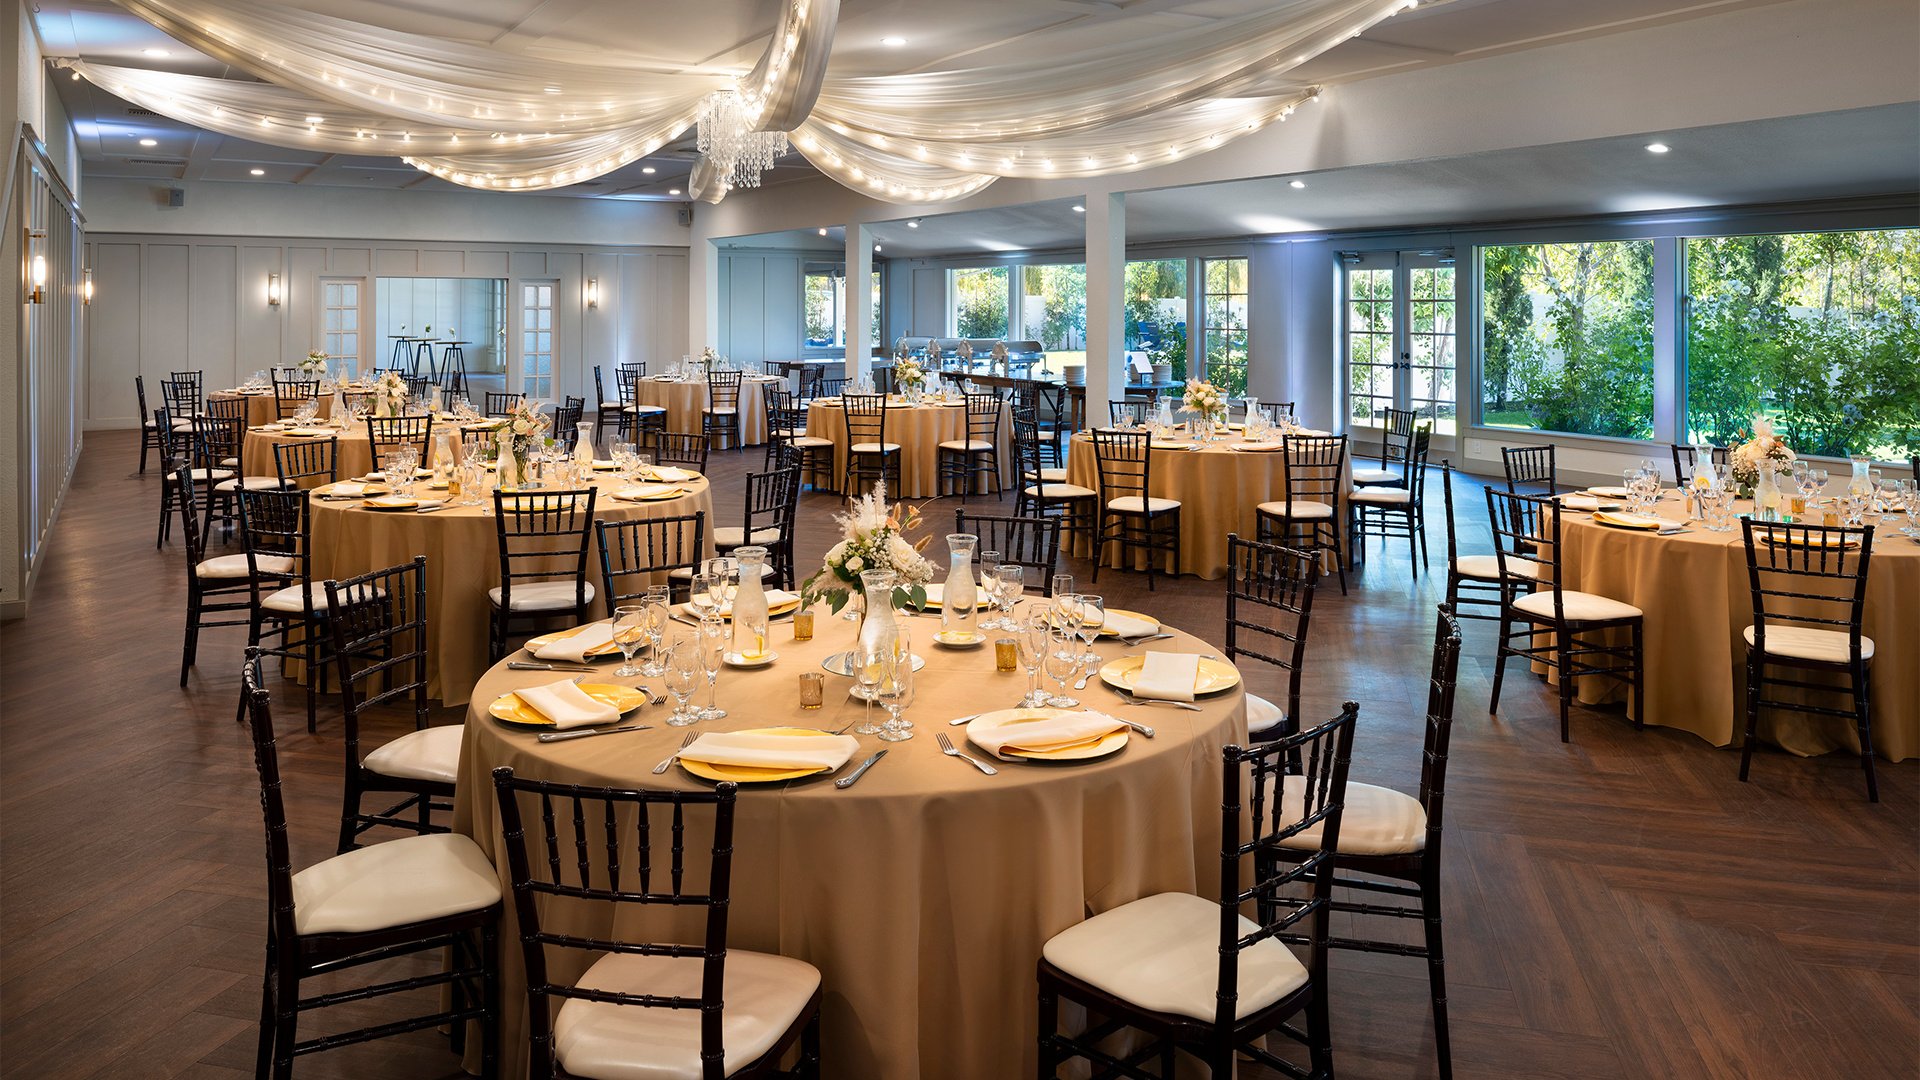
x=813 y=689
x=803 y=626
x=1006 y=654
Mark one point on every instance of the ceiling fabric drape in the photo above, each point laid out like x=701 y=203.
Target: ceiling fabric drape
x=494 y=118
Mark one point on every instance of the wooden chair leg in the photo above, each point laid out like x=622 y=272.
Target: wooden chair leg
x=1753 y=714
x=490 y=1002
x=1562 y=654
x=1863 y=720
x=1639 y=702
x=1049 y=1027
x=1436 y=970
x=1501 y=649
x=263 y=1063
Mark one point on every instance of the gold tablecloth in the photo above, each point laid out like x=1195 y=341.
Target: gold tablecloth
x=263 y=407
x=353 y=454
x=1218 y=488
x=1694 y=590
x=924 y=893
x=686 y=404
x=919 y=429
x=463 y=562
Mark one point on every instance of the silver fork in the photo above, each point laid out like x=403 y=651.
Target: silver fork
x=947 y=748
x=675 y=756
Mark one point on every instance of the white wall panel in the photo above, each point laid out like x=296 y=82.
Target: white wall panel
x=212 y=291
x=163 y=308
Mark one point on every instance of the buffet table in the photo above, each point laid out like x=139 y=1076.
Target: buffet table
x=924 y=893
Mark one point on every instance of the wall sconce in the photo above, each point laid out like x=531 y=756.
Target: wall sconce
x=593 y=292
x=86 y=285
x=36 y=267
x=273 y=290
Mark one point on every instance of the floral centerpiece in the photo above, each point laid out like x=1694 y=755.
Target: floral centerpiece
x=1204 y=400
x=390 y=394
x=909 y=376
x=525 y=425
x=315 y=363
x=872 y=537
x=1764 y=451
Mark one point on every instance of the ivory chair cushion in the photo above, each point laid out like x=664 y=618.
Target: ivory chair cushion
x=288 y=599
x=1375 y=476
x=235 y=566
x=1383 y=496
x=541 y=596
x=1060 y=491
x=645 y=408
x=1163 y=953
x=1579 y=606
x=1053 y=475
x=1487 y=567
x=250 y=483
x=611 y=406
x=1134 y=504
x=723 y=410
x=810 y=442
x=764 y=995
x=873 y=447
x=1303 y=509
x=428 y=754
x=1263 y=715
x=394 y=883
x=1809 y=643
x=732 y=536
x=1375 y=821
x=684 y=574
x=967 y=446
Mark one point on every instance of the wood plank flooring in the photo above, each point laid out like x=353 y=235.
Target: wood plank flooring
x=1616 y=907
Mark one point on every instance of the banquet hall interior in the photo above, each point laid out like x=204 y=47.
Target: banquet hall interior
x=911 y=540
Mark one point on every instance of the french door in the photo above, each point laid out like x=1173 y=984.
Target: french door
x=340 y=320
x=1400 y=336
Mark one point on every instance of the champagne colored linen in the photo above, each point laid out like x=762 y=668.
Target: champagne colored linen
x=919 y=429
x=924 y=892
x=1694 y=590
x=686 y=404
x=463 y=562
x=567 y=705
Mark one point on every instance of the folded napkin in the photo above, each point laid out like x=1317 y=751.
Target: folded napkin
x=645 y=491
x=823 y=752
x=575 y=647
x=1608 y=492
x=1048 y=733
x=567 y=705
x=1252 y=447
x=776 y=599
x=1586 y=502
x=347 y=487
x=1128 y=626
x=1632 y=521
x=669 y=474
x=1168 y=676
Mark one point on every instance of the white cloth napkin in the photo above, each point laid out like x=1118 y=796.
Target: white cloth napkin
x=1167 y=676
x=1061 y=729
x=670 y=475
x=825 y=752
x=644 y=491
x=574 y=647
x=1585 y=502
x=1128 y=626
x=775 y=599
x=567 y=705
x=347 y=487
x=1259 y=447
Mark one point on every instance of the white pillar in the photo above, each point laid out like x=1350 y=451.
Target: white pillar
x=1106 y=302
x=703 y=294
x=859 y=300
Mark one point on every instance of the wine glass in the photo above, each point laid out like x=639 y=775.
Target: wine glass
x=629 y=632
x=713 y=638
x=683 y=675
x=869 y=664
x=1062 y=584
x=1031 y=634
x=1093 y=616
x=1011 y=579
x=1910 y=498
x=991 y=587
x=653 y=623
x=725 y=574
x=895 y=691
x=1062 y=661
x=700 y=598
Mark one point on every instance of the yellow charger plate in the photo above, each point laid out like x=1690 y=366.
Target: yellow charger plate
x=509 y=709
x=1626 y=521
x=1107 y=631
x=1110 y=743
x=391 y=502
x=535 y=644
x=1215 y=675
x=747 y=774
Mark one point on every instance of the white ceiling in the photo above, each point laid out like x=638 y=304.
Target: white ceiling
x=728 y=35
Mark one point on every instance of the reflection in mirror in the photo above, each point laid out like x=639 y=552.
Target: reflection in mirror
x=463 y=316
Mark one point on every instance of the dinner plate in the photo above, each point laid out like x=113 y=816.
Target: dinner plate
x=1106 y=631
x=391 y=502
x=740 y=660
x=1214 y=676
x=509 y=709
x=1110 y=743
x=535 y=644
x=841 y=663
x=953 y=639
x=1608 y=492
x=747 y=774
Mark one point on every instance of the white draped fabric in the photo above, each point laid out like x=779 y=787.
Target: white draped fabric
x=493 y=118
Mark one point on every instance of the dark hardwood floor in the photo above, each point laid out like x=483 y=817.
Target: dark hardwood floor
x=1618 y=906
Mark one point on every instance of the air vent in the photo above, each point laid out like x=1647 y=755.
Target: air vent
x=135 y=110
x=156 y=161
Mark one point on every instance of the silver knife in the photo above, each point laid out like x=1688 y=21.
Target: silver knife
x=561 y=736
x=846 y=781
x=958 y=720
x=529 y=665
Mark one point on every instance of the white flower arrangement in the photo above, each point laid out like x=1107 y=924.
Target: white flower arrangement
x=1203 y=399
x=872 y=538
x=1764 y=450
x=526 y=421
x=392 y=389
x=707 y=355
x=314 y=364
x=909 y=375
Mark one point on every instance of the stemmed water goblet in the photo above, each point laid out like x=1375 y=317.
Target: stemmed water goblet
x=629 y=632
x=1062 y=662
x=895 y=690
x=683 y=675
x=1010 y=582
x=653 y=622
x=987 y=585
x=701 y=596
x=869 y=663
x=713 y=638
x=1032 y=634
x=1092 y=615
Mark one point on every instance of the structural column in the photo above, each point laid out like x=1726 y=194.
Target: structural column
x=859 y=320
x=1106 y=302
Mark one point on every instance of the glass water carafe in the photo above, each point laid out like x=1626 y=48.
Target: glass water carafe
x=960 y=597
x=750 y=606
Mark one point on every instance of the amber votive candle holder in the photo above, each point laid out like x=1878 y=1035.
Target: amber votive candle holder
x=813 y=689
x=1006 y=654
x=803 y=625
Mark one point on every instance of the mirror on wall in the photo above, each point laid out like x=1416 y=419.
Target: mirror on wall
x=470 y=311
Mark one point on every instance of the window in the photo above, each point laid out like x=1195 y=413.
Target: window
x=1224 y=306
x=1817 y=330
x=825 y=305
x=1156 y=311
x=980 y=302
x=1567 y=338
x=1370 y=353
x=1053 y=309
x=536 y=339
x=340 y=319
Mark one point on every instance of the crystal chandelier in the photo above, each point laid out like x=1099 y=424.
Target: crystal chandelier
x=739 y=153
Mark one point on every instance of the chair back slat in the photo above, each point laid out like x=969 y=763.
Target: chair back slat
x=275 y=525
x=378 y=624
x=543 y=536
x=1124 y=461
x=388 y=433
x=678 y=448
x=723 y=391
x=1270 y=591
x=501 y=404
x=217 y=439
x=566 y=422
x=1526 y=540
x=1031 y=542
x=291 y=392
x=307 y=463
x=1810 y=576
x=1313 y=469
x=1530 y=465
x=636 y=554
x=865 y=416
x=266 y=761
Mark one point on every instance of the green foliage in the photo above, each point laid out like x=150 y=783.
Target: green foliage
x=1062 y=290
x=980 y=302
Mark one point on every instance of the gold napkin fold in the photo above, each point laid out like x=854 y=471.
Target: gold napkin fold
x=824 y=752
x=567 y=705
x=1168 y=676
x=575 y=647
x=1049 y=732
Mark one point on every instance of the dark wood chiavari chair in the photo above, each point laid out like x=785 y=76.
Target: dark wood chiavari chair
x=1526 y=529
x=787 y=428
x=1387 y=834
x=677 y=448
x=286 y=604
x=1040 y=495
x=1127 y=513
x=361 y=400
x=870 y=457
x=1029 y=542
x=829 y=385
x=1277 y=411
x=421 y=387
x=215 y=586
x=722 y=418
x=1809 y=588
x=1684 y=456
x=1530 y=465
x=1132 y=410
x=416 y=894
x=308 y=463
x=1471 y=579
x=500 y=405
x=636 y=420
x=149 y=427
x=566 y=421
x=379 y=628
x=388 y=433
x=1195 y=975
x=177 y=450
x=1396 y=439
x=1308 y=514
x=538 y=535
x=771 y=510
x=291 y=393
x=181 y=392
x=964 y=461
x=650 y=551
x=608 y=406
x=217 y=441
x=1269 y=612
x=620 y=1021
x=1395 y=510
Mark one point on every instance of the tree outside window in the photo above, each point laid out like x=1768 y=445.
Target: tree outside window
x=1224 y=306
x=980 y=302
x=825 y=301
x=1054 y=309
x=1156 y=311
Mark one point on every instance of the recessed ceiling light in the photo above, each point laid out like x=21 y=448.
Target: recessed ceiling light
x=258 y=172
x=314 y=119
x=648 y=169
x=155 y=52
x=149 y=142
x=914 y=224
x=876 y=249
x=823 y=232
x=673 y=191
x=1078 y=209
x=1296 y=183
x=1658 y=148
x=893 y=42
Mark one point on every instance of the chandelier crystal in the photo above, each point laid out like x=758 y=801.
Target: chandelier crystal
x=726 y=137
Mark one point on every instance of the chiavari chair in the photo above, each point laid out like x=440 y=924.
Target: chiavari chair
x=636 y=419
x=386 y=434
x=219 y=586
x=1127 y=513
x=1269 y=612
x=1122 y=412
x=1396 y=439
x=1029 y=542
x=181 y=392
x=828 y=385
x=1530 y=465
x=501 y=405
x=870 y=457
x=1040 y=495
x=1526 y=530
x=650 y=551
x=291 y=393
x=1278 y=412
x=1308 y=515
x=307 y=463
x=1472 y=579
x=1684 y=456
x=772 y=507
x=787 y=427
x=1196 y=975
x=566 y=421
x=722 y=418
x=149 y=427
x=963 y=461
x=677 y=448
x=286 y=606
x=217 y=444
x=608 y=406
x=1809 y=588
x=176 y=450
x=538 y=535
x=418 y=894
x=421 y=387
x=621 y=1018
x=1395 y=510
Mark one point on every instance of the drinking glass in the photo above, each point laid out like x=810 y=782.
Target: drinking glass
x=1062 y=584
x=1910 y=498
x=1855 y=503
x=1093 y=615
x=683 y=675
x=989 y=586
x=629 y=632
x=725 y=574
x=1032 y=633
x=1062 y=662
x=700 y=598
x=1718 y=508
x=713 y=651
x=1012 y=582
x=896 y=692
x=869 y=670
x=653 y=624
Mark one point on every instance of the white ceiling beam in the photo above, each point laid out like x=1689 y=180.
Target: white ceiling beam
x=200 y=154
x=313 y=171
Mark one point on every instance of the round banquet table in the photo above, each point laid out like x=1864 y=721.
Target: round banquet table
x=1694 y=590
x=686 y=403
x=1218 y=488
x=353 y=453
x=463 y=562
x=919 y=429
x=923 y=893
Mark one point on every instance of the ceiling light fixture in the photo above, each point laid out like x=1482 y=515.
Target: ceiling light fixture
x=1078 y=209
x=258 y=172
x=876 y=249
x=1296 y=184
x=649 y=170
x=1658 y=148
x=914 y=224
x=673 y=191
x=149 y=142
x=155 y=52
x=893 y=42
x=727 y=137
x=823 y=232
